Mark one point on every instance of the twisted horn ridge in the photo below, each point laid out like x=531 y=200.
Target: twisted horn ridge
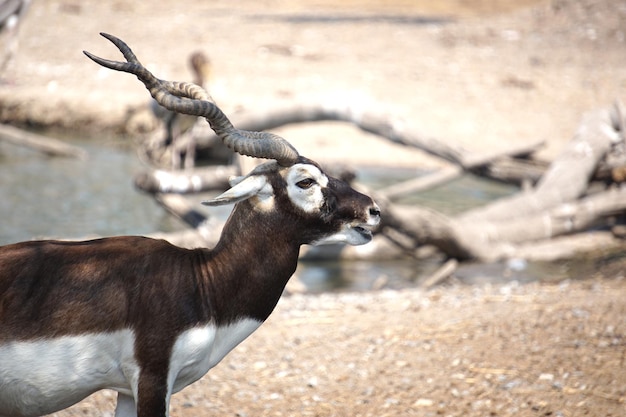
x=188 y=98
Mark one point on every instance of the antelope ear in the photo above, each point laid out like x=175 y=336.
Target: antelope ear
x=234 y=180
x=247 y=187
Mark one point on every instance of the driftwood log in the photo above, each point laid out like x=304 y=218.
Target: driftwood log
x=39 y=143
x=186 y=182
x=556 y=199
x=559 y=204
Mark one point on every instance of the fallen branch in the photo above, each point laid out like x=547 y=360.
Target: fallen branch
x=421 y=183
x=474 y=159
x=572 y=217
x=553 y=208
x=557 y=205
x=39 y=143
x=491 y=239
x=206 y=227
x=517 y=171
x=180 y=207
x=501 y=167
x=372 y=121
x=567 y=177
x=185 y=182
x=441 y=274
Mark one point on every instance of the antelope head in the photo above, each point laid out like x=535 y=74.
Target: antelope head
x=290 y=184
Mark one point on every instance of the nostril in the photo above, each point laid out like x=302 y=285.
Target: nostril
x=374 y=211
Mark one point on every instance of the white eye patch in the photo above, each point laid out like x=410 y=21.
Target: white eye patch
x=304 y=187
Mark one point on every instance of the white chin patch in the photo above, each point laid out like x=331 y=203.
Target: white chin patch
x=310 y=199
x=352 y=235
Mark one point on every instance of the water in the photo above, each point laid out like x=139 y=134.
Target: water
x=43 y=197
x=319 y=277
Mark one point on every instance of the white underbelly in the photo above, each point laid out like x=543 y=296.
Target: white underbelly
x=43 y=376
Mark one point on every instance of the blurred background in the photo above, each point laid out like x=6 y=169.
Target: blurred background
x=485 y=75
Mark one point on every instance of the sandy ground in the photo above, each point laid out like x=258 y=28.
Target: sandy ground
x=486 y=74
x=509 y=350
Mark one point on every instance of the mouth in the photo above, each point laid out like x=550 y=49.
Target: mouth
x=363 y=231
x=357 y=234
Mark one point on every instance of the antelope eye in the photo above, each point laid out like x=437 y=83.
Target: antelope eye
x=305 y=183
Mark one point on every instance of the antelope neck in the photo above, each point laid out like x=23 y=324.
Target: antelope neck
x=258 y=265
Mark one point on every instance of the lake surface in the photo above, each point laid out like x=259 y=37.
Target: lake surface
x=45 y=197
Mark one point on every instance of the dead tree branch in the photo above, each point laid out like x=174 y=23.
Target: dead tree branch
x=39 y=143
x=557 y=206
x=186 y=182
x=566 y=179
x=560 y=202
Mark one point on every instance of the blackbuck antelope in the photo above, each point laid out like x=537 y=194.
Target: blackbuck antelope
x=146 y=318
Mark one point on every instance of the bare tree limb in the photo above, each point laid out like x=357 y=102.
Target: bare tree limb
x=565 y=180
x=372 y=121
x=185 y=182
x=571 y=217
x=180 y=207
x=558 y=205
x=208 y=228
x=43 y=144
x=441 y=274
x=421 y=183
